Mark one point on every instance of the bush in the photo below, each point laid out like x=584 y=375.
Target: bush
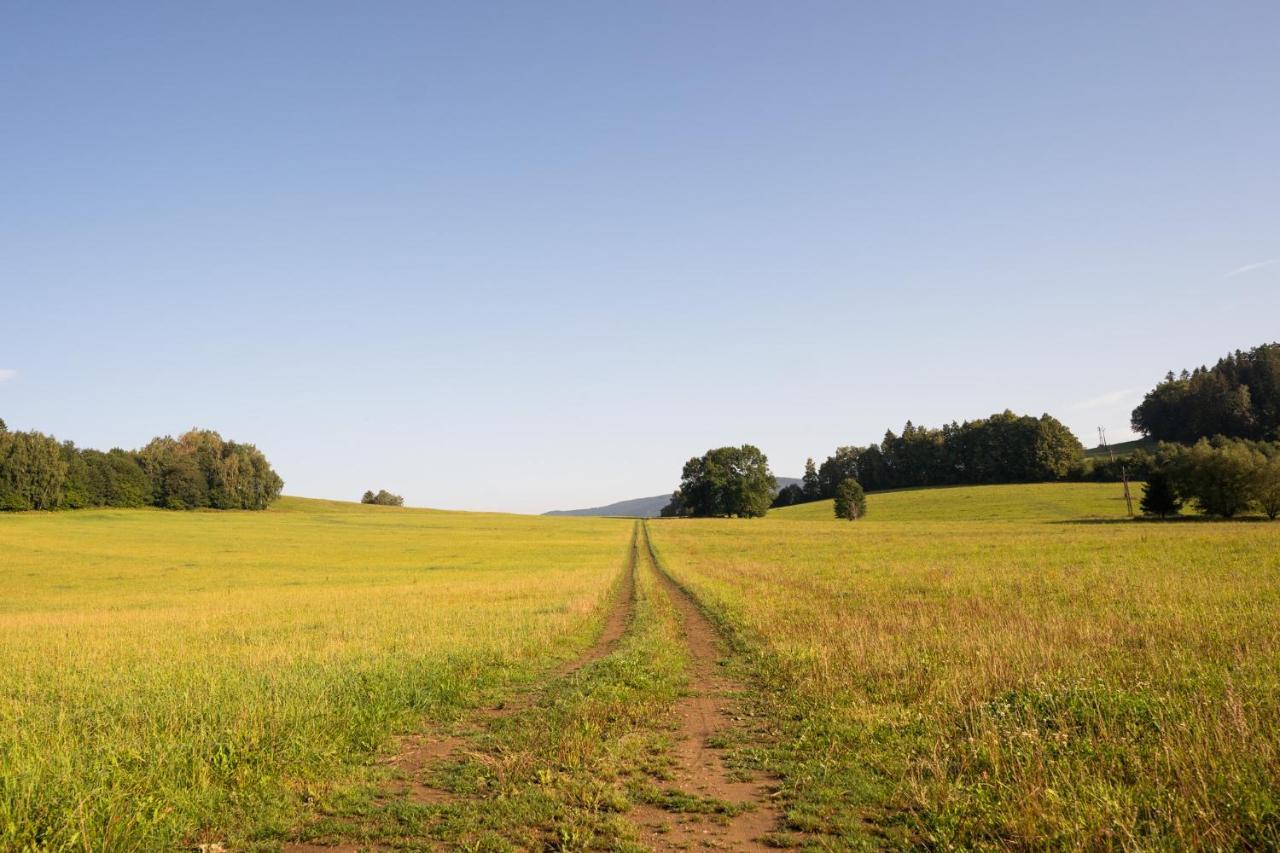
x=851 y=501
x=382 y=498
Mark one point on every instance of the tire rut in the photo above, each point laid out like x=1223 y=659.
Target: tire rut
x=416 y=754
x=419 y=752
x=700 y=769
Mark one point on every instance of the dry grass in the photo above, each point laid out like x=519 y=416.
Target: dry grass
x=1008 y=682
x=175 y=677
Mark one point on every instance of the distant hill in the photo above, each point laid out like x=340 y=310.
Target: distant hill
x=1123 y=448
x=639 y=507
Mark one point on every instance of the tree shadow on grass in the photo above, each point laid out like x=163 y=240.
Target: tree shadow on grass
x=1178 y=519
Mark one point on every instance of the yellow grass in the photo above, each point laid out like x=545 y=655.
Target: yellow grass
x=989 y=681
x=166 y=677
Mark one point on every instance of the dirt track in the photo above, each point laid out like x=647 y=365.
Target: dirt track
x=419 y=752
x=700 y=769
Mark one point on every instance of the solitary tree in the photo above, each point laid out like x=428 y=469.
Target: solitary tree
x=725 y=481
x=1159 y=497
x=812 y=485
x=851 y=501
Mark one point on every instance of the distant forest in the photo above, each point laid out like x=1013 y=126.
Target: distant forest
x=1239 y=397
x=197 y=470
x=1215 y=431
x=1004 y=448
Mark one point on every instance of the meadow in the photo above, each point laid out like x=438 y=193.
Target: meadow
x=996 y=666
x=172 y=678
x=1005 y=666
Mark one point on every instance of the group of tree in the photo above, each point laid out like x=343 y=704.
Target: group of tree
x=1239 y=397
x=726 y=482
x=382 y=498
x=1004 y=448
x=1222 y=476
x=199 y=469
x=808 y=489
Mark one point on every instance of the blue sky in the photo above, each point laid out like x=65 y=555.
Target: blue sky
x=526 y=256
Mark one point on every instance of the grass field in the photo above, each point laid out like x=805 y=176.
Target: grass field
x=1009 y=668
x=966 y=667
x=173 y=677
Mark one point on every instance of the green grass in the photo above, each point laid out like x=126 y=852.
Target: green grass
x=1123 y=448
x=168 y=678
x=1034 y=502
x=1006 y=669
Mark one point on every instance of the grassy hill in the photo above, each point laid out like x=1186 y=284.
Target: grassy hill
x=1123 y=448
x=1018 y=502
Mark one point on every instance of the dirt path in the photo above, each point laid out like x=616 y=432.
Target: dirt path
x=417 y=754
x=700 y=769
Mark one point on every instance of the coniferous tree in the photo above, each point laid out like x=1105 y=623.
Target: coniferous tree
x=1239 y=397
x=851 y=501
x=1159 y=497
x=812 y=485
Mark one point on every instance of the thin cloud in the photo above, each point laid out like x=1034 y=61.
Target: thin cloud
x=1111 y=398
x=7 y=374
x=1251 y=267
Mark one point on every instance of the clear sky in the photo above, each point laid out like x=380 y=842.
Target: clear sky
x=524 y=256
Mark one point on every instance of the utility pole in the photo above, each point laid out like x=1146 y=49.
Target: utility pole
x=1124 y=474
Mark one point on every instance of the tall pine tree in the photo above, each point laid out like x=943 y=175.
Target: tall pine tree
x=812 y=485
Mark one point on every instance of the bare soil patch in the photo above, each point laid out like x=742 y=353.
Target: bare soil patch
x=700 y=769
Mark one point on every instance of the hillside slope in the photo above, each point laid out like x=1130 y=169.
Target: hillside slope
x=1016 y=502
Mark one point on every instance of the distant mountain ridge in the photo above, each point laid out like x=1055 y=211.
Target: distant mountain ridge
x=640 y=507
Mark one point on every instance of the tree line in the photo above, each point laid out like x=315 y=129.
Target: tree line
x=1239 y=397
x=197 y=470
x=1003 y=448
